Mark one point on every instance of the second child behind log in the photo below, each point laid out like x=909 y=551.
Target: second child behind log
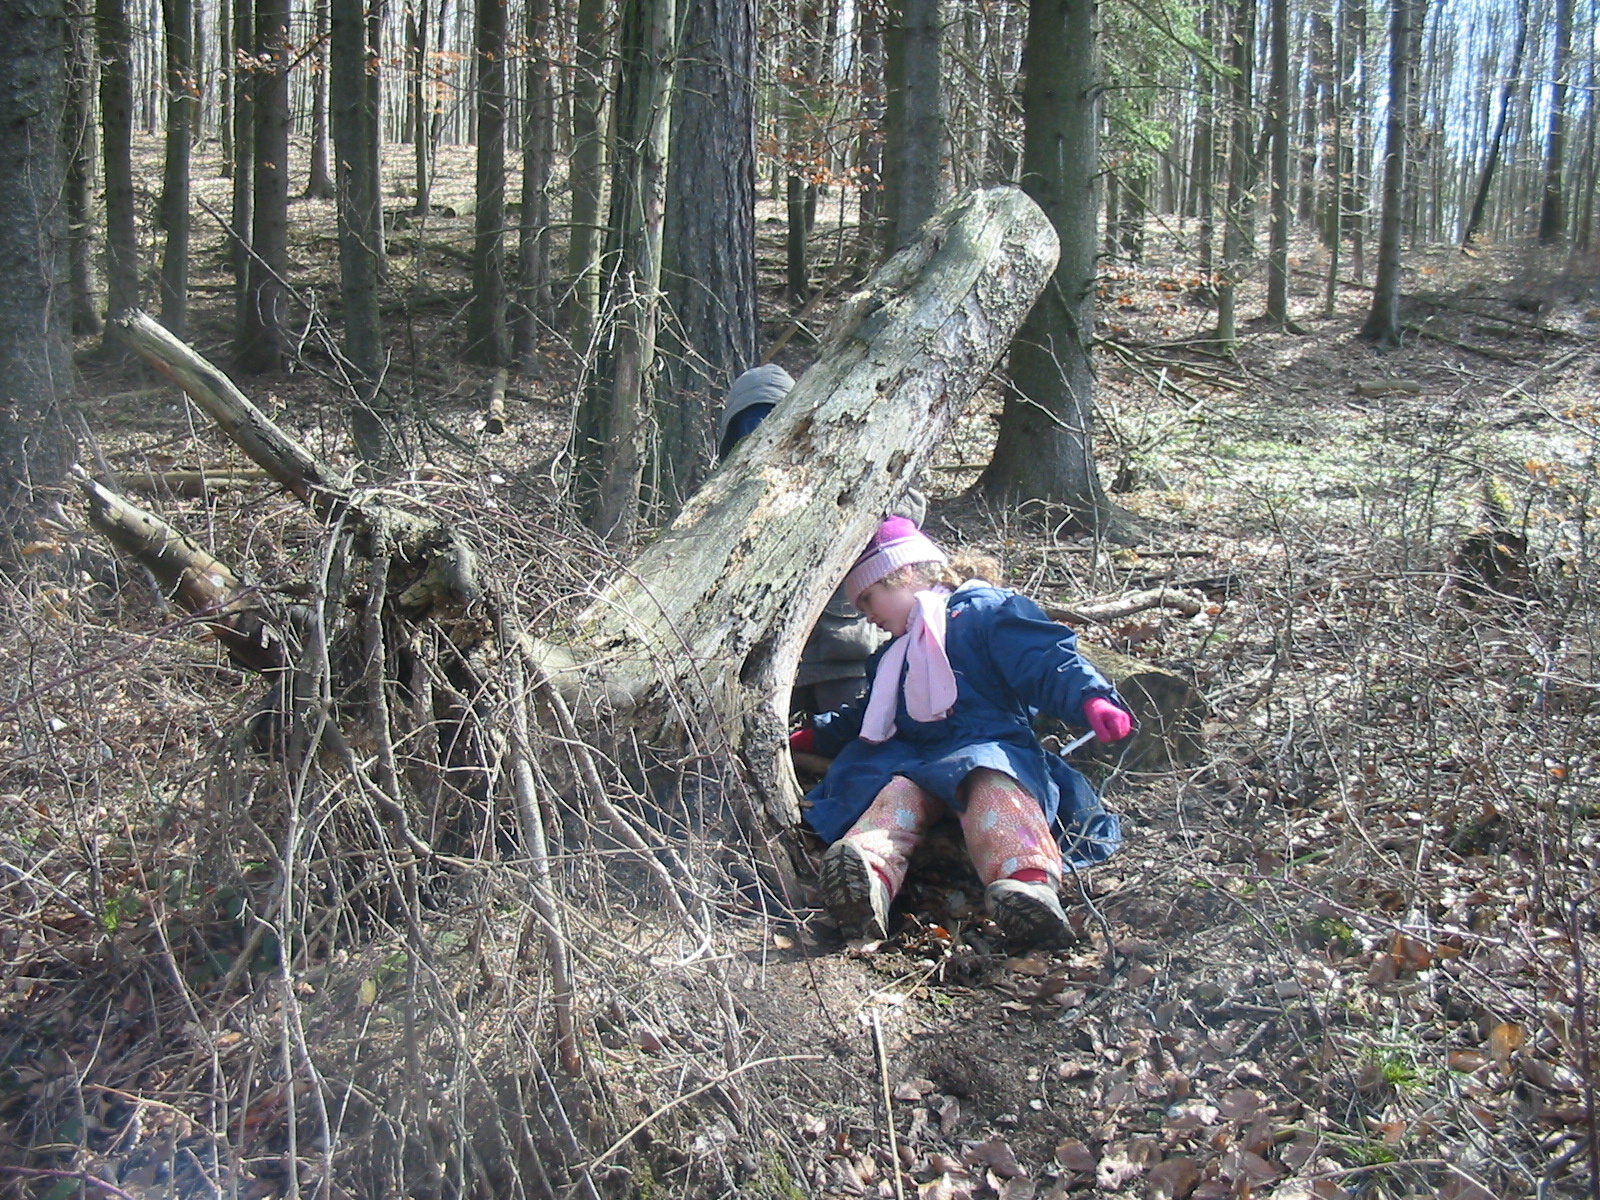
x=947 y=725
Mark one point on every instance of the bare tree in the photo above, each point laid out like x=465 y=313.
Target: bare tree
x=1278 y=126
x=116 y=140
x=182 y=104
x=261 y=331
x=353 y=101
x=488 y=338
x=1552 y=209
x=1382 y=325
x=319 y=179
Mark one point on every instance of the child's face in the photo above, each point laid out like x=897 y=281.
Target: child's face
x=888 y=606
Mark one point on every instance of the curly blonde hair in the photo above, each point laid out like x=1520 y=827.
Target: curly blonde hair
x=963 y=565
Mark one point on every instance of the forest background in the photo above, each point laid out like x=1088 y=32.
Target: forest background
x=359 y=894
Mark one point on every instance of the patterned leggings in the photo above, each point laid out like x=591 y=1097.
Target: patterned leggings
x=1003 y=827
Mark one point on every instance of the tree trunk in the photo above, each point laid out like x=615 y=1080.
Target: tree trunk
x=585 y=171
x=355 y=133
x=914 y=118
x=1278 y=125
x=1204 y=169
x=1237 y=234
x=422 y=101
x=182 y=113
x=116 y=140
x=638 y=194
x=1552 y=211
x=869 y=142
x=1383 y=322
x=243 y=78
x=319 y=181
x=708 y=254
x=487 y=336
x=1491 y=162
x=34 y=360
x=261 y=336
x=535 y=307
x=78 y=136
x=1045 y=448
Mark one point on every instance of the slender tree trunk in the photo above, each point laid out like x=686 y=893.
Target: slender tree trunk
x=1589 y=177
x=1237 y=236
x=182 y=101
x=1278 y=122
x=261 y=335
x=638 y=189
x=354 y=118
x=585 y=171
x=225 y=88
x=487 y=335
x=1491 y=161
x=535 y=307
x=1358 y=188
x=1383 y=323
x=34 y=360
x=914 y=118
x=1552 y=211
x=241 y=215
x=1045 y=448
x=1204 y=170
x=319 y=182
x=1339 y=160
x=710 y=236
x=869 y=142
x=423 y=101
x=78 y=137
x=116 y=138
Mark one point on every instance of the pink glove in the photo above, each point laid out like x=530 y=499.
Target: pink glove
x=1110 y=723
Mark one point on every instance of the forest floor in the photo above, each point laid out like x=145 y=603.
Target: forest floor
x=1343 y=953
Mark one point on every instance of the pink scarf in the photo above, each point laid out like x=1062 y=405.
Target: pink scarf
x=930 y=683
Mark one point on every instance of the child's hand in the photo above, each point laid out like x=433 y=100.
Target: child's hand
x=804 y=740
x=1109 y=722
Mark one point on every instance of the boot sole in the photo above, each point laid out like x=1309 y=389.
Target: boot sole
x=1024 y=917
x=848 y=880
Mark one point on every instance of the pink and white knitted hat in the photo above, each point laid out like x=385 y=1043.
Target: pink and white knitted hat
x=897 y=543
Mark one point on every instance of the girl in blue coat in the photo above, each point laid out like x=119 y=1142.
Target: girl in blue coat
x=947 y=725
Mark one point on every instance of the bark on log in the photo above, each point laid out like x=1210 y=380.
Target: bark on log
x=712 y=616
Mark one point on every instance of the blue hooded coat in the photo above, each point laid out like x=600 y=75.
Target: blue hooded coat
x=1010 y=661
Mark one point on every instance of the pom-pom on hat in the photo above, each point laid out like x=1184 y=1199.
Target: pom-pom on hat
x=897 y=543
